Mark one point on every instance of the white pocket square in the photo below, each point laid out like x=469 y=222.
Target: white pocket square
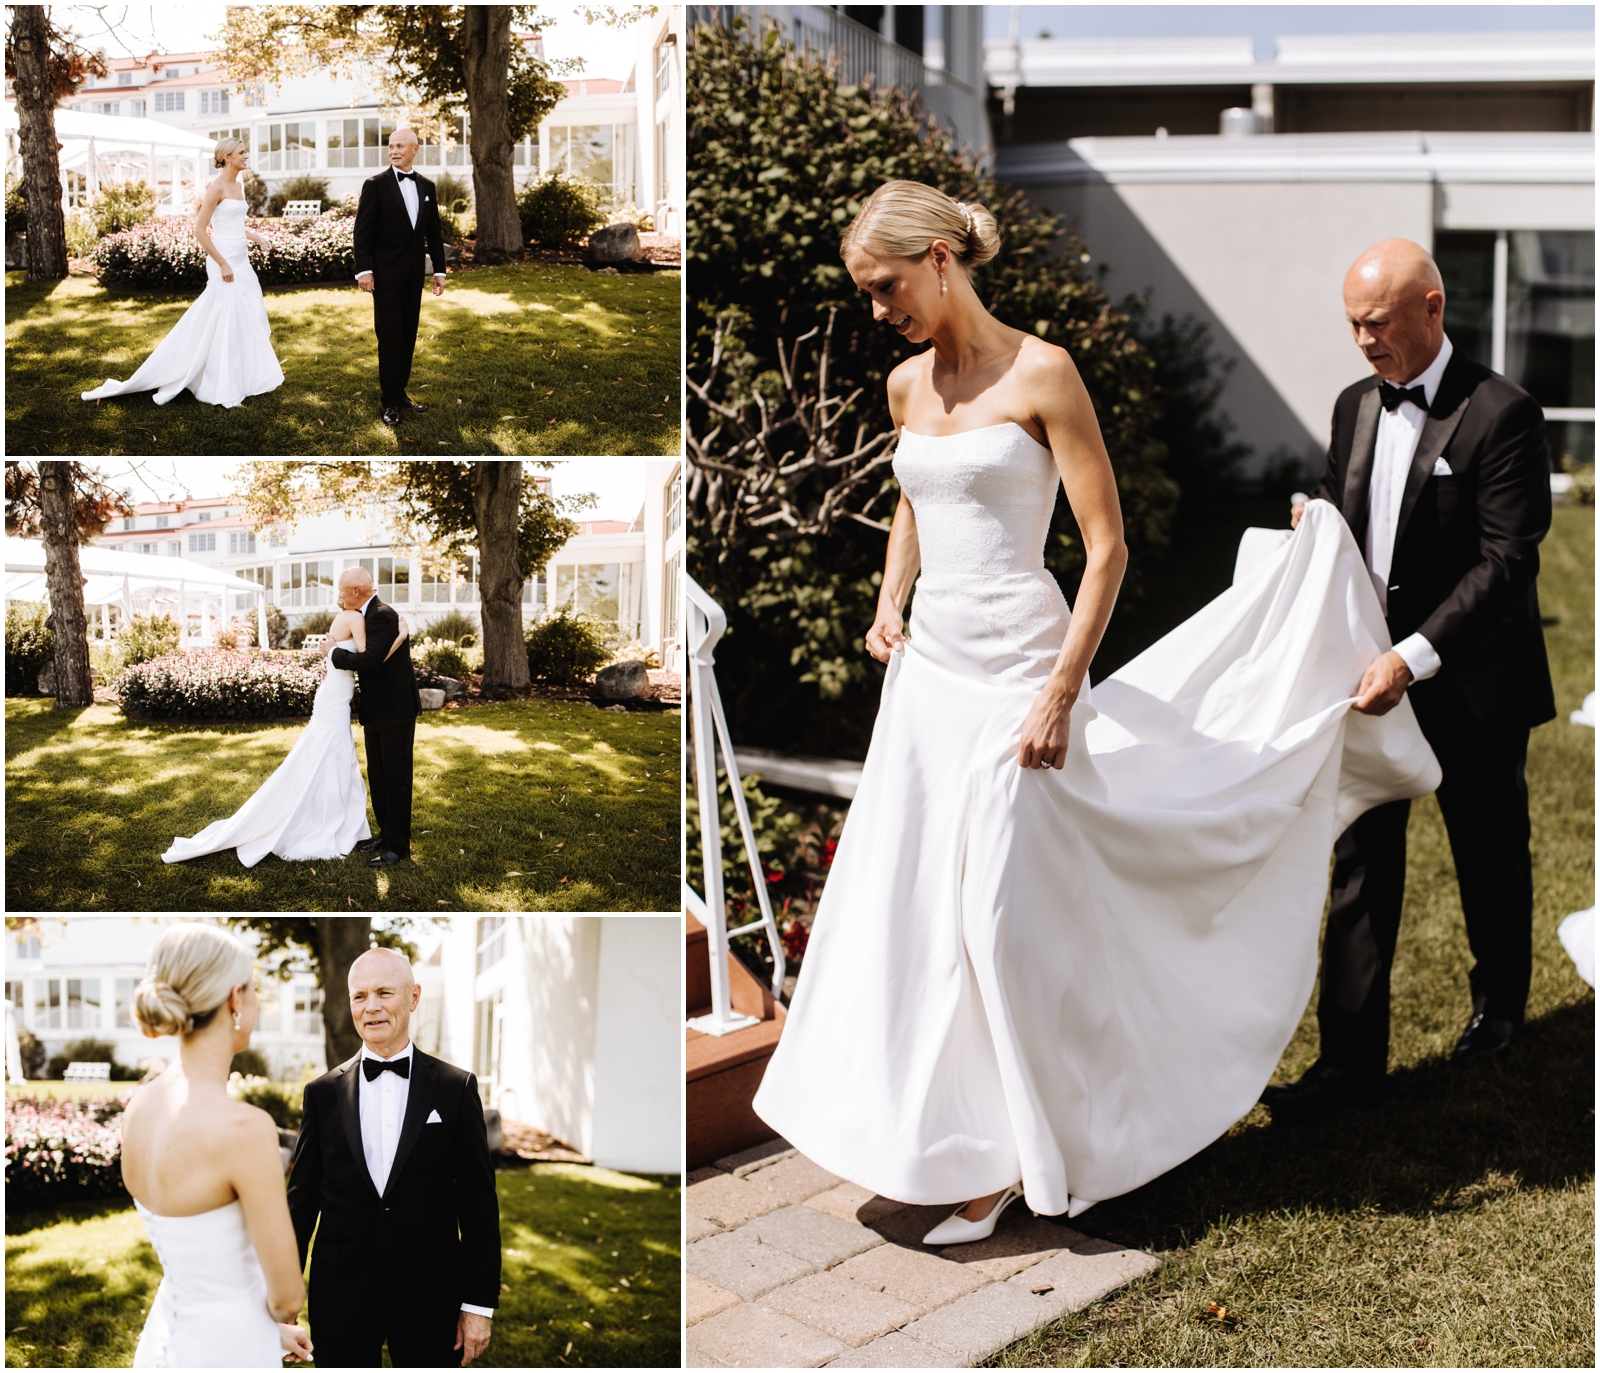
x=433 y=1119
x=1441 y=468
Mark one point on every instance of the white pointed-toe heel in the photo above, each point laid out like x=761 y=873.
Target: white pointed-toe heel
x=954 y=1229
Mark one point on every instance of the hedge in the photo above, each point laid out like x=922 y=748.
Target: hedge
x=60 y=1151
x=165 y=255
x=218 y=683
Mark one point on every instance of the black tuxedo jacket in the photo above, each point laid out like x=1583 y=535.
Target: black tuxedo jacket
x=1466 y=551
x=388 y=685
x=386 y=243
x=439 y=1207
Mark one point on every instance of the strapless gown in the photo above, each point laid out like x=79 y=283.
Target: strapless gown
x=221 y=349
x=313 y=806
x=1078 y=977
x=210 y=1310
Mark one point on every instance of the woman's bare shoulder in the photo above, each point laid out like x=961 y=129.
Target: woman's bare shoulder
x=1037 y=359
x=903 y=382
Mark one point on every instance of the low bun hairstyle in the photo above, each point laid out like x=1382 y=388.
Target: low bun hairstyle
x=902 y=219
x=225 y=148
x=191 y=971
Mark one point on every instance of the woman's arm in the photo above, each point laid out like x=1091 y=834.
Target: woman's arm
x=202 y=228
x=347 y=628
x=255 y=1168
x=903 y=559
x=1067 y=415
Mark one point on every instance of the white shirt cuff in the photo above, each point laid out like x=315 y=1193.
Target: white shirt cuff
x=367 y=273
x=479 y=1310
x=1418 y=655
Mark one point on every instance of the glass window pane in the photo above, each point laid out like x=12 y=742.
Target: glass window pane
x=1550 y=316
x=402 y=581
x=1466 y=262
x=560 y=147
x=591 y=152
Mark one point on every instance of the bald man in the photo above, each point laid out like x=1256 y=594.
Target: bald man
x=1441 y=469
x=392 y=1174
x=397 y=221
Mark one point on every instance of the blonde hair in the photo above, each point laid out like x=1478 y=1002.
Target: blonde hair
x=191 y=971
x=225 y=148
x=902 y=219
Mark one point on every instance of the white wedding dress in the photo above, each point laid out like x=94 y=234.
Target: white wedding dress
x=221 y=349
x=313 y=806
x=1078 y=977
x=210 y=1310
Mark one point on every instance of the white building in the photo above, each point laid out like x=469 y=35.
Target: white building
x=571 y=1024
x=71 y=979
x=628 y=572
x=1238 y=187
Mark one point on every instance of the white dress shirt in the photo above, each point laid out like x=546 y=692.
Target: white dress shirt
x=383 y=1113
x=1399 y=431
x=408 y=193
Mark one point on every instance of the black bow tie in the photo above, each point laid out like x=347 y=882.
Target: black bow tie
x=406 y=176
x=373 y=1066
x=1391 y=396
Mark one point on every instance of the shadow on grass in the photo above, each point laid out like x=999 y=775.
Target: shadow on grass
x=1526 y=1116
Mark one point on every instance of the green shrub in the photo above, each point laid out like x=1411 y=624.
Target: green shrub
x=302 y=187
x=558 y=211
x=81 y=233
x=457 y=626
x=31 y=1051
x=454 y=192
x=632 y=214
x=147 y=638
x=122 y=205
x=443 y=657
x=277 y=627
x=567 y=647
x=457 y=226
x=255 y=193
x=251 y=1063
x=318 y=622
x=279 y=1100
x=30 y=647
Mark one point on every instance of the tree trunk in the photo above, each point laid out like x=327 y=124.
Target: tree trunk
x=497 y=511
x=41 y=170
x=486 y=57
x=69 y=623
x=341 y=939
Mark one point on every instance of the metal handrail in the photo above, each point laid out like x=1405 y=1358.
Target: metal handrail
x=707 y=624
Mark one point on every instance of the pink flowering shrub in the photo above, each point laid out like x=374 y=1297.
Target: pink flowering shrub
x=59 y=1151
x=163 y=255
x=215 y=683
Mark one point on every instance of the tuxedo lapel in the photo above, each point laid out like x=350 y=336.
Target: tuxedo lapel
x=394 y=194
x=419 y=1101
x=348 y=1091
x=1448 y=407
x=1358 y=473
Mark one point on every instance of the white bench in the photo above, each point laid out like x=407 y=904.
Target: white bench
x=302 y=209
x=314 y=641
x=87 y=1072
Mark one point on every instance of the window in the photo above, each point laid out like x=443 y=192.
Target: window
x=216 y=135
x=124 y=78
x=83 y=1003
x=138 y=108
x=307 y=584
x=344 y=142
x=394 y=581
x=467 y=587
x=300 y=144
x=127 y=525
x=491 y=940
x=77 y=188
x=1522 y=302
x=107 y=107
x=14 y=996
x=202 y=543
x=307 y=1010
x=601 y=152
x=204 y=516
x=47 y=1004
x=486 y=1054
x=526 y=154
x=28 y=942
x=674 y=511
x=161 y=521
x=270 y=1020
x=271 y=145
x=213 y=102
x=671 y=592
x=174 y=549
x=605 y=590
x=151 y=548
x=375 y=141
x=241 y=543
x=124 y=1003
x=169 y=101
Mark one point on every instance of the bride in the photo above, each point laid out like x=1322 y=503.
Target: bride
x=314 y=805
x=1064 y=941
x=205 y=1172
x=221 y=349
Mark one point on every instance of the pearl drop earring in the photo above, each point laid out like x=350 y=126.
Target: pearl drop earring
x=943 y=284
x=236 y=1020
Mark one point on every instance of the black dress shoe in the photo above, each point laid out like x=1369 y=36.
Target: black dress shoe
x=383 y=859
x=1323 y=1087
x=409 y=404
x=369 y=845
x=1482 y=1037
x=391 y=414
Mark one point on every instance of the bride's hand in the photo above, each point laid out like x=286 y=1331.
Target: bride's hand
x=400 y=638
x=295 y=1342
x=1046 y=729
x=227 y=271
x=886 y=635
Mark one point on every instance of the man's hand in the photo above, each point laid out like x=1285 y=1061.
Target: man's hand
x=472 y=1331
x=1297 y=508
x=365 y=282
x=1383 y=684
x=438 y=286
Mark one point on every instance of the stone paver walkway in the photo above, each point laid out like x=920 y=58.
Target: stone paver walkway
x=792 y=1267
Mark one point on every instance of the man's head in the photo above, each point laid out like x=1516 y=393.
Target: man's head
x=402 y=149
x=1394 y=300
x=382 y=996
x=355 y=585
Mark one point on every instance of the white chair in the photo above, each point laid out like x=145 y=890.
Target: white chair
x=314 y=641
x=87 y=1072
x=302 y=209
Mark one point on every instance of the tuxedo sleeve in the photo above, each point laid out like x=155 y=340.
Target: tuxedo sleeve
x=435 y=234
x=1331 y=487
x=366 y=227
x=305 y=1176
x=478 y=1203
x=1513 y=506
x=382 y=631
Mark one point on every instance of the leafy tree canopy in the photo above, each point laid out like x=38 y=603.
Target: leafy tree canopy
x=94 y=503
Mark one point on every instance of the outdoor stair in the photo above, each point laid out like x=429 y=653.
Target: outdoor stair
x=724 y=1071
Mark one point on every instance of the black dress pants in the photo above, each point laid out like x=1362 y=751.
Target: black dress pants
x=1484 y=800
x=416 y=1338
x=394 y=319
x=389 y=780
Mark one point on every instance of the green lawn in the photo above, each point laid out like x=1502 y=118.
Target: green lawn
x=38 y=1088
x=589 y=1276
x=526 y=359
x=1451 y=1225
x=517 y=806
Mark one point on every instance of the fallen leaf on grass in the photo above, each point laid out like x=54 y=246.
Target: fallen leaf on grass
x=1220 y=1314
x=1425 y=1345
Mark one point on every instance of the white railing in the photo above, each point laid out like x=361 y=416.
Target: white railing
x=707 y=624
x=860 y=53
